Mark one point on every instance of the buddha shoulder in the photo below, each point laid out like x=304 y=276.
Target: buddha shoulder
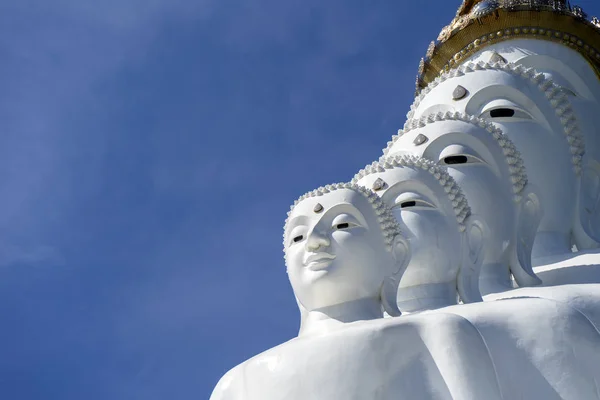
x=230 y=386
x=259 y=371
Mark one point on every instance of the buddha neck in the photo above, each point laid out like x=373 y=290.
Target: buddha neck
x=494 y=278
x=419 y=298
x=551 y=243
x=327 y=319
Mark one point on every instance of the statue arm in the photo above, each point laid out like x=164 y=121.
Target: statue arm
x=462 y=357
x=230 y=386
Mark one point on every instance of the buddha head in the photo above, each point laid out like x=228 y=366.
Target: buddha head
x=445 y=239
x=535 y=114
x=341 y=245
x=558 y=41
x=489 y=169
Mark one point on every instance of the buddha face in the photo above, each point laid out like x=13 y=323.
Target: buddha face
x=526 y=116
x=477 y=163
x=569 y=69
x=427 y=219
x=335 y=250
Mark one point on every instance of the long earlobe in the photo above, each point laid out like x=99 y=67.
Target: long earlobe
x=389 y=288
x=389 y=295
x=401 y=254
x=528 y=219
x=467 y=281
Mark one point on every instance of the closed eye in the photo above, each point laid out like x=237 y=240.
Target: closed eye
x=460 y=159
x=502 y=112
x=412 y=203
x=505 y=113
x=298 y=238
x=344 y=226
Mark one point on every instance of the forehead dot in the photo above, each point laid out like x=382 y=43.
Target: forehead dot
x=459 y=93
x=378 y=184
x=318 y=208
x=420 y=139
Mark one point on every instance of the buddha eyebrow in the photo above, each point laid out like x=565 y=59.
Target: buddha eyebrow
x=296 y=223
x=351 y=210
x=300 y=220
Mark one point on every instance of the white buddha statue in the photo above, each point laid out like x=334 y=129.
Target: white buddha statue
x=575 y=67
x=331 y=248
x=489 y=169
x=556 y=47
x=446 y=240
x=344 y=254
x=516 y=100
x=579 y=82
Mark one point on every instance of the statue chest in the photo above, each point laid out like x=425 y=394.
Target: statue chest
x=354 y=364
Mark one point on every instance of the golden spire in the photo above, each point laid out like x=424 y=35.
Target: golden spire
x=479 y=23
x=466 y=7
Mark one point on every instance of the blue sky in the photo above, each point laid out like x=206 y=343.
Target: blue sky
x=149 y=151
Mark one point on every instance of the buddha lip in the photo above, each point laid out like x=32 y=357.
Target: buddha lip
x=318 y=258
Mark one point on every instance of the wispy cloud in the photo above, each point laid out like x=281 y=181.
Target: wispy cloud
x=56 y=57
x=45 y=256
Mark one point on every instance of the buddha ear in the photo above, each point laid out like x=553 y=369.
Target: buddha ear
x=389 y=296
x=586 y=230
x=389 y=288
x=529 y=216
x=467 y=281
x=401 y=255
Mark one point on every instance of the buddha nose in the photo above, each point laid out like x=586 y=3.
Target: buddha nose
x=316 y=239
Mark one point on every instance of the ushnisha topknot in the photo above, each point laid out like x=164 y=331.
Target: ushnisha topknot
x=513 y=158
x=555 y=94
x=481 y=23
x=455 y=194
x=389 y=224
